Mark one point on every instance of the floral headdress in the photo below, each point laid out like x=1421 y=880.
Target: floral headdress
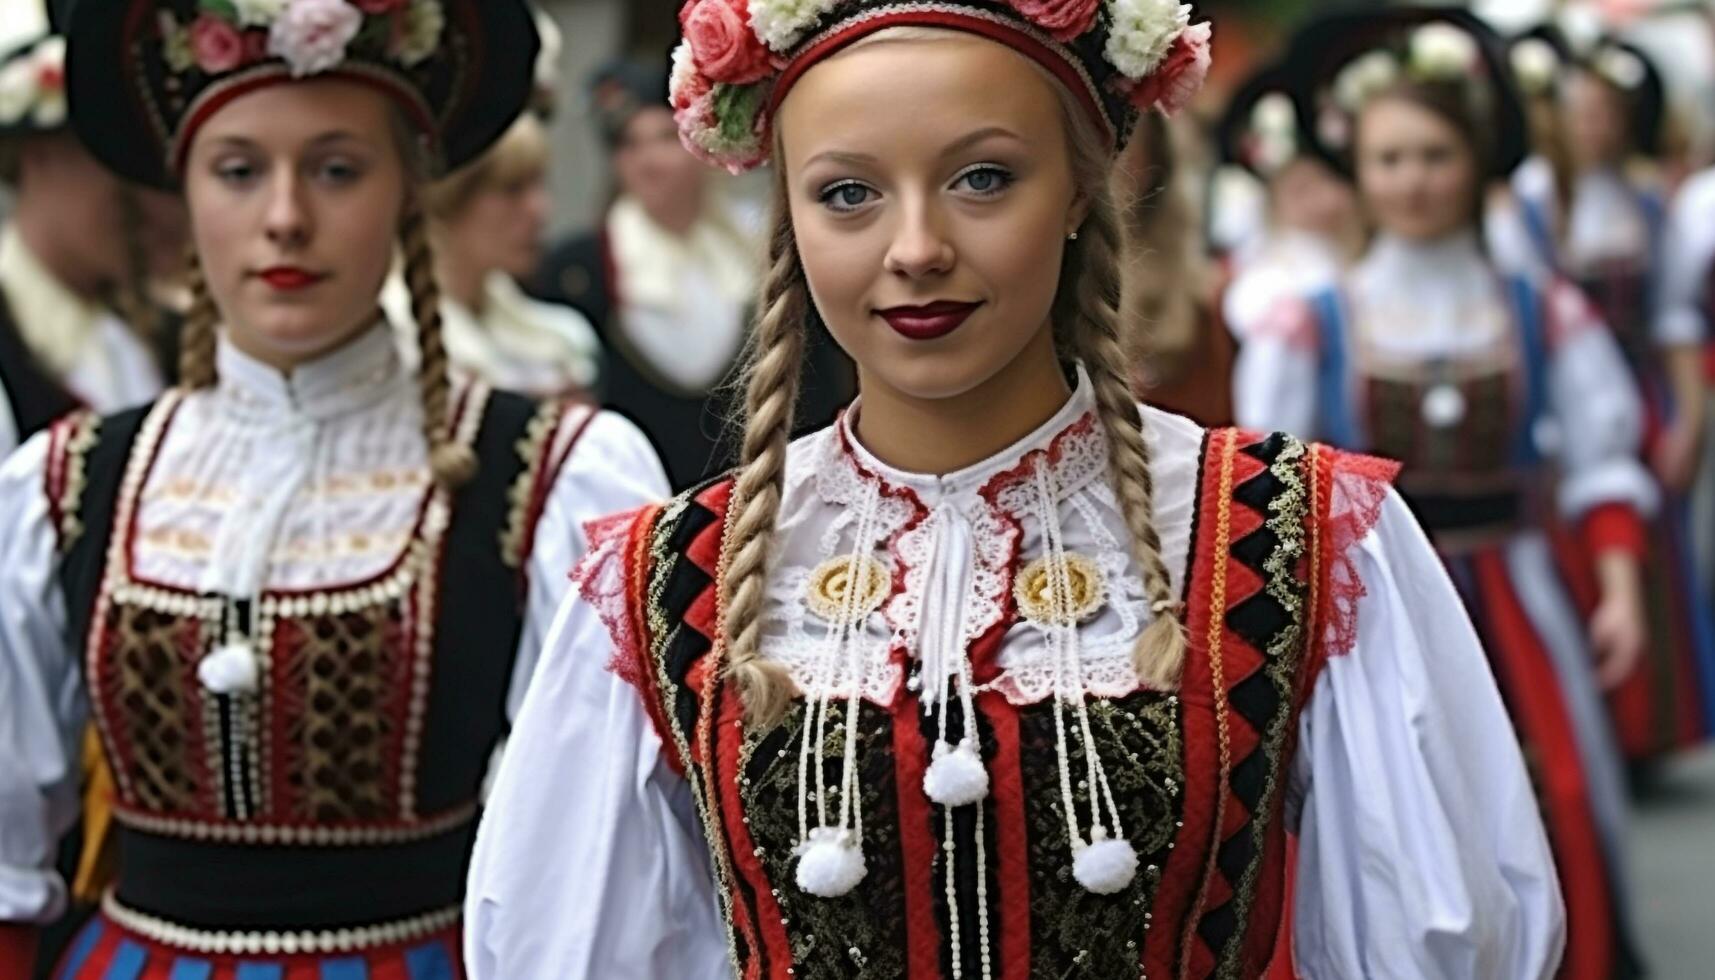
x=155 y=70
x=1541 y=57
x=740 y=57
x=1260 y=130
x=32 y=69
x=1342 y=61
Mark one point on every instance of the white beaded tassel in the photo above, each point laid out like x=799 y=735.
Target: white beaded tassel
x=956 y=775
x=1106 y=863
x=232 y=667
x=830 y=859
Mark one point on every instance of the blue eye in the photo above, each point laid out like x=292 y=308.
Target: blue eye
x=984 y=180
x=234 y=172
x=846 y=196
x=338 y=171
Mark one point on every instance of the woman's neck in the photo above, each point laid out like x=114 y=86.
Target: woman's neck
x=288 y=361
x=462 y=282
x=944 y=435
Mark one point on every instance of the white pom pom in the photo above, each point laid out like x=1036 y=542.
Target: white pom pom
x=230 y=669
x=1107 y=865
x=830 y=863
x=956 y=777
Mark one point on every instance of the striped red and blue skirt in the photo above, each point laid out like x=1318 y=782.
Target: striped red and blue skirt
x=106 y=951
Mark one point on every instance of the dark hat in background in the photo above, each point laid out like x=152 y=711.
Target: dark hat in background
x=143 y=75
x=1261 y=131
x=619 y=90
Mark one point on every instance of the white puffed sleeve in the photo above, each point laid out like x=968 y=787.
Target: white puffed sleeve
x=1598 y=413
x=1687 y=264
x=42 y=703
x=1274 y=377
x=611 y=468
x=1422 y=854
x=589 y=862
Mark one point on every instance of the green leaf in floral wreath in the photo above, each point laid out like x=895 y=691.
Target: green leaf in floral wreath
x=224 y=9
x=736 y=107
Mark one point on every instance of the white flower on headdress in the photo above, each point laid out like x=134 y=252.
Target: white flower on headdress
x=1622 y=68
x=1141 y=33
x=424 y=22
x=258 y=13
x=683 y=83
x=1442 y=51
x=1363 y=78
x=1535 y=63
x=312 y=35
x=176 y=44
x=17 y=89
x=780 y=24
x=49 y=62
x=1274 y=131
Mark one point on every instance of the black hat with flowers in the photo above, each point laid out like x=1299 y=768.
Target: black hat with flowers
x=32 y=68
x=739 y=58
x=1260 y=130
x=144 y=75
x=1541 y=57
x=1341 y=60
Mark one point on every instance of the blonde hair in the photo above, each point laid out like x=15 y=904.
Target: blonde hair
x=452 y=462
x=1163 y=274
x=1086 y=314
x=522 y=151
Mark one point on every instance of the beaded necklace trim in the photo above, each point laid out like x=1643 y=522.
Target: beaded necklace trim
x=275 y=943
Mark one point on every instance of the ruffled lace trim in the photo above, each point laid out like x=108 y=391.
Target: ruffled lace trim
x=602 y=579
x=1357 y=486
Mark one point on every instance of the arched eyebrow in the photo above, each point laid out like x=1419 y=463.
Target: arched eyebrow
x=954 y=148
x=238 y=142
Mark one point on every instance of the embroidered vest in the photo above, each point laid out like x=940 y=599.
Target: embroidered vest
x=344 y=790
x=1199 y=774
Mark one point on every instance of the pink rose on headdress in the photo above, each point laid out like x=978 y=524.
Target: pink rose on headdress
x=216 y=44
x=1180 y=74
x=255 y=46
x=312 y=35
x=725 y=47
x=686 y=84
x=1064 y=20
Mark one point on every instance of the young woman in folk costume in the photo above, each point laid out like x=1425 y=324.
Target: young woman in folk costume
x=1311 y=227
x=1001 y=675
x=1426 y=352
x=78 y=247
x=303 y=589
x=1587 y=209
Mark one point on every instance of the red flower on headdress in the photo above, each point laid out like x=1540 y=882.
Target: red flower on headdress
x=725 y=47
x=1181 y=73
x=1064 y=20
x=216 y=44
x=381 y=6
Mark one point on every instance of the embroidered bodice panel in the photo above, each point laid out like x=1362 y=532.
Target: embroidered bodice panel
x=947 y=553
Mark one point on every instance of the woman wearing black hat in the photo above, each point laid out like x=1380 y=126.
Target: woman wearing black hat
x=1001 y=675
x=302 y=589
x=1427 y=353
x=1589 y=208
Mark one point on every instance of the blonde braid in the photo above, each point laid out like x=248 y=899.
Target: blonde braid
x=452 y=462
x=1095 y=340
x=196 y=337
x=771 y=392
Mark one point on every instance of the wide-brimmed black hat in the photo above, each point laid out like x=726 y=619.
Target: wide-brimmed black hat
x=143 y=75
x=1337 y=53
x=32 y=67
x=1261 y=130
x=1630 y=70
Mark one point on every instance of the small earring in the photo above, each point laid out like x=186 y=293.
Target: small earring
x=1072 y=237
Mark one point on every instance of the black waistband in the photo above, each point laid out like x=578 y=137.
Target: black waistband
x=1466 y=512
x=236 y=886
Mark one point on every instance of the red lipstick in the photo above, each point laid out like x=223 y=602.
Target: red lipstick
x=928 y=322
x=289 y=278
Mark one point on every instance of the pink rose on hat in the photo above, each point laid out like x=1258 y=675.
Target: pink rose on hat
x=216 y=44
x=312 y=35
x=1064 y=20
x=1181 y=73
x=723 y=44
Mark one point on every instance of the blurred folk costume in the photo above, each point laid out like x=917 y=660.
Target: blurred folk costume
x=298 y=604
x=829 y=717
x=1587 y=211
x=1427 y=353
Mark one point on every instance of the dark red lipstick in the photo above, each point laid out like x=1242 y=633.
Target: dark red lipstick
x=289 y=278
x=928 y=322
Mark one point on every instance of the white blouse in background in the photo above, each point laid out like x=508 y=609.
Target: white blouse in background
x=264 y=482
x=1422 y=853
